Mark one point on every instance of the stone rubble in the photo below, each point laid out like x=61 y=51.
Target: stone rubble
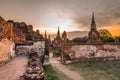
x=34 y=70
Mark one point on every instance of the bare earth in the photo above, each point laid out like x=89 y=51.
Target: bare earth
x=71 y=74
x=14 y=69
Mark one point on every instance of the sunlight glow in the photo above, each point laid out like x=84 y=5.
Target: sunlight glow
x=52 y=23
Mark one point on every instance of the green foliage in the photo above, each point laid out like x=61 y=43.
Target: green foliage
x=107 y=39
x=50 y=72
x=105 y=33
x=94 y=70
x=106 y=36
x=80 y=40
x=53 y=74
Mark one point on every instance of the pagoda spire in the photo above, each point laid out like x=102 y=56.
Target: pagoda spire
x=45 y=34
x=58 y=33
x=49 y=38
x=93 y=20
x=93 y=24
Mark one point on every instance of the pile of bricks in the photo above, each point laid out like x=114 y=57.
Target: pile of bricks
x=34 y=70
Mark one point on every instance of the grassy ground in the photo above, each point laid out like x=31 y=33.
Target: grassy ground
x=104 y=70
x=54 y=74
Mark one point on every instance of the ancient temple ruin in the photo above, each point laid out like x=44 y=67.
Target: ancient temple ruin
x=58 y=40
x=93 y=35
x=64 y=37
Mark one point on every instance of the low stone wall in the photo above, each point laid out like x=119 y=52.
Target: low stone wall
x=38 y=47
x=105 y=51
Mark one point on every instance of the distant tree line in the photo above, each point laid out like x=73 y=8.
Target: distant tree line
x=105 y=35
x=79 y=40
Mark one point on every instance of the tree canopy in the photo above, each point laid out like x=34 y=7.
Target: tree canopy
x=80 y=40
x=105 y=33
x=106 y=36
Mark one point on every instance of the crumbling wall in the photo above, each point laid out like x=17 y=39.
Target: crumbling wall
x=38 y=47
x=6 y=50
x=92 y=51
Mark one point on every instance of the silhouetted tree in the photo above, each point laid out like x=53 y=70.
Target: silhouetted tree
x=106 y=36
x=104 y=33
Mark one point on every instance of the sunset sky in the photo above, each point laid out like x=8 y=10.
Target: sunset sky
x=69 y=15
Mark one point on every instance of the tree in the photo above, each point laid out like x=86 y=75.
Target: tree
x=104 y=33
x=76 y=40
x=80 y=40
x=106 y=36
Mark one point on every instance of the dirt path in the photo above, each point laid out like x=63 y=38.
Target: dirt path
x=71 y=74
x=14 y=69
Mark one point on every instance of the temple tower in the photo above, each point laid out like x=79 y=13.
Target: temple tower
x=64 y=37
x=58 y=34
x=93 y=35
x=93 y=24
x=57 y=39
x=49 y=38
x=45 y=35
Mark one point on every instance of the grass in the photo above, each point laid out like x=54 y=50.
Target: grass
x=50 y=51
x=54 y=74
x=94 y=70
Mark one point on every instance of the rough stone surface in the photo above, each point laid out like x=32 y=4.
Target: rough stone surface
x=38 y=47
x=106 y=50
x=6 y=49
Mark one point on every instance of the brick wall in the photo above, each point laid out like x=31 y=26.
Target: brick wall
x=88 y=51
x=6 y=49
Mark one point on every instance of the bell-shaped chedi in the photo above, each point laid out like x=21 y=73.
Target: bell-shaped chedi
x=64 y=37
x=57 y=39
x=45 y=36
x=49 y=38
x=93 y=35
